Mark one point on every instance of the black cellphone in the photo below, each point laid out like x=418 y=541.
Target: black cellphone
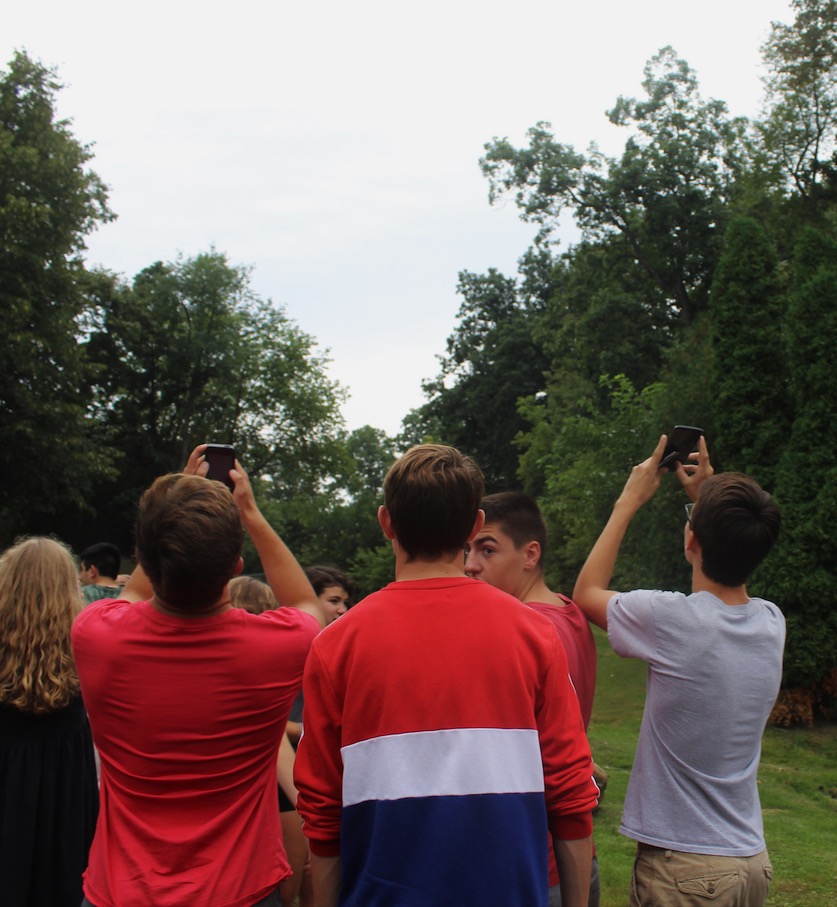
x=681 y=442
x=221 y=459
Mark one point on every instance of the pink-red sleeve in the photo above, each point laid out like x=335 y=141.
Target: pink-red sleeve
x=318 y=771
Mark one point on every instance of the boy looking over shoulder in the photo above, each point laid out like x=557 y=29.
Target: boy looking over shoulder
x=442 y=735
x=714 y=669
x=509 y=552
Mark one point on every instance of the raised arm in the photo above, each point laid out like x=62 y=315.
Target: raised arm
x=281 y=569
x=138 y=587
x=592 y=592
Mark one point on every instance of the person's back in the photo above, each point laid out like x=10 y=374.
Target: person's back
x=714 y=674
x=441 y=769
x=185 y=719
x=575 y=634
x=441 y=732
x=188 y=698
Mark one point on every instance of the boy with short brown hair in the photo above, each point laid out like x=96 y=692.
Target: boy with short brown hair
x=441 y=731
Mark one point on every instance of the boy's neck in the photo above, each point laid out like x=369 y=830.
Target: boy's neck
x=439 y=568
x=536 y=590
x=729 y=595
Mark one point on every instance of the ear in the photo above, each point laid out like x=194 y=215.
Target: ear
x=691 y=549
x=385 y=522
x=239 y=567
x=531 y=554
x=93 y=570
x=479 y=522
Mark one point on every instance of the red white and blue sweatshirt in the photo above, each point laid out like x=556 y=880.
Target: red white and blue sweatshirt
x=441 y=737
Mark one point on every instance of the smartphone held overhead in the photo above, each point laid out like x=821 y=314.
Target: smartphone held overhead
x=221 y=459
x=682 y=441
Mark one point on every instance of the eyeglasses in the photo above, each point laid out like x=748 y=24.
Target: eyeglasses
x=689 y=514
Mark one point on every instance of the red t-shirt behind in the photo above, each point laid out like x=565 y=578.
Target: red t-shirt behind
x=577 y=637
x=580 y=647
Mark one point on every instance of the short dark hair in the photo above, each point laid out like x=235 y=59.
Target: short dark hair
x=736 y=523
x=188 y=537
x=519 y=517
x=321 y=577
x=104 y=557
x=433 y=495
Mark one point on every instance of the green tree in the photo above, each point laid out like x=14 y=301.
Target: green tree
x=338 y=525
x=586 y=467
x=801 y=576
x=190 y=353
x=49 y=202
x=492 y=360
x=666 y=198
x=800 y=129
x=750 y=386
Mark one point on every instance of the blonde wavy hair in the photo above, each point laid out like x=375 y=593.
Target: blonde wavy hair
x=252 y=595
x=39 y=599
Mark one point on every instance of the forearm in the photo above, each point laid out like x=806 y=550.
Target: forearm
x=282 y=571
x=592 y=588
x=138 y=588
x=574 y=859
x=325 y=874
x=293 y=729
x=285 y=769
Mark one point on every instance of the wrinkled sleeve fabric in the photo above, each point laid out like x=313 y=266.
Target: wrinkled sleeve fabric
x=318 y=772
x=631 y=624
x=571 y=792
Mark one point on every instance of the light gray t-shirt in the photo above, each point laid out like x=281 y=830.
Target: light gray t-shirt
x=713 y=676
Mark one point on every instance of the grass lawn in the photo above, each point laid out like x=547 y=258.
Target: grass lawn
x=797 y=782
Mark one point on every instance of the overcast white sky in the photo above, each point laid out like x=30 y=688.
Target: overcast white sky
x=333 y=146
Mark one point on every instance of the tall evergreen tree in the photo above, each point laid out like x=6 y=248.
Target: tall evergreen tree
x=49 y=202
x=750 y=396
x=802 y=575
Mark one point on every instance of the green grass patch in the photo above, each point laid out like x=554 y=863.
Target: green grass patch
x=797 y=784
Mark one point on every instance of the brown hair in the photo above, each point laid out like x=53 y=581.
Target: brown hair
x=321 y=577
x=188 y=537
x=39 y=599
x=519 y=517
x=736 y=523
x=433 y=495
x=252 y=595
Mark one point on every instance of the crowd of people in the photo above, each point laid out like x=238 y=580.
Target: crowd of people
x=272 y=744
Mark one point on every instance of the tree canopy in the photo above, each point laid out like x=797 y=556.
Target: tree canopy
x=701 y=292
x=49 y=201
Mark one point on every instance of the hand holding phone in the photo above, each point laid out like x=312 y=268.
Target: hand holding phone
x=221 y=459
x=682 y=441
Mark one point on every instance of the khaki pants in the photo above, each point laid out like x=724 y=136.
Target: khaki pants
x=668 y=878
